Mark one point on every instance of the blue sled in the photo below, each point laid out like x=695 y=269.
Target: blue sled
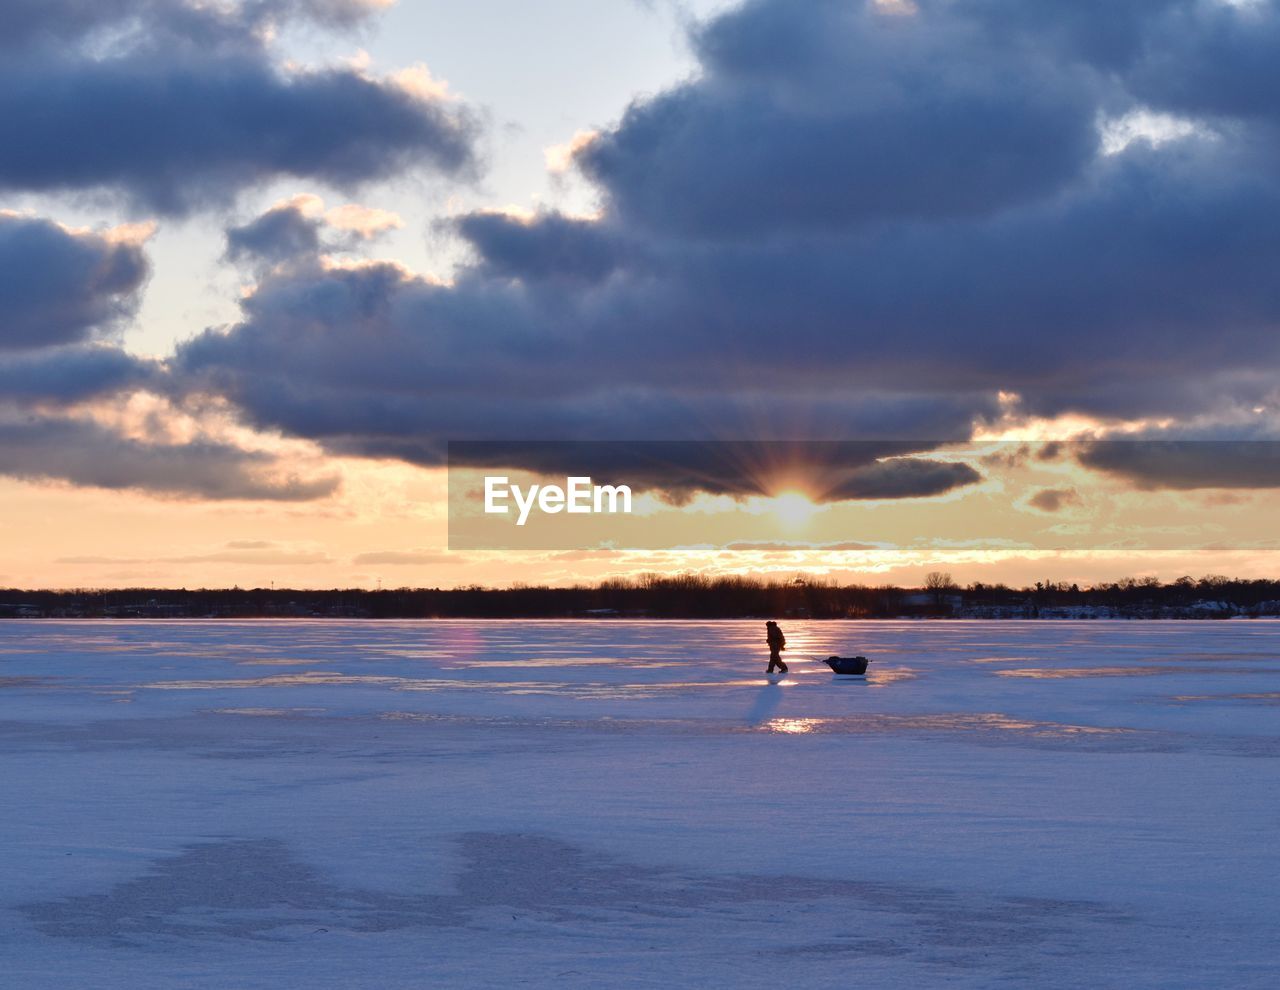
x=847 y=665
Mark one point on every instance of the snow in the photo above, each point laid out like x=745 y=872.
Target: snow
x=632 y=804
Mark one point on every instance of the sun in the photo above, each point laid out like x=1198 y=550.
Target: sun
x=793 y=508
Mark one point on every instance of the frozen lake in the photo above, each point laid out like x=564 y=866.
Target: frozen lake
x=632 y=804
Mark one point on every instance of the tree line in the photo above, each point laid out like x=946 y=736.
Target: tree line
x=691 y=595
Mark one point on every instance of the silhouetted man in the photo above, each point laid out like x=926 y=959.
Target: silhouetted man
x=777 y=642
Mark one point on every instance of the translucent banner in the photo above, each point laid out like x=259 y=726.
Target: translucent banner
x=865 y=495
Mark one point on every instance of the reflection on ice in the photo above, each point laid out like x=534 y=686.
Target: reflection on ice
x=1001 y=659
x=1264 y=697
x=1065 y=673
x=884 y=676
x=523 y=662
x=316 y=678
x=1145 y=670
x=791 y=726
x=569 y=689
x=279 y=662
x=944 y=722
x=1048 y=681
x=24 y=682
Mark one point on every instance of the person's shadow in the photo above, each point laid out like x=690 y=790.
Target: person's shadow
x=766 y=703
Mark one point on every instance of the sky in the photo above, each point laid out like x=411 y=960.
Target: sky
x=262 y=261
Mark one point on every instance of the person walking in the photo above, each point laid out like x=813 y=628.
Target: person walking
x=777 y=643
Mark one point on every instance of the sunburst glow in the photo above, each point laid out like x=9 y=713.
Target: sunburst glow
x=793 y=509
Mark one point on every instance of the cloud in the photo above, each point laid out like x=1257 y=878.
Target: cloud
x=270 y=557
x=845 y=224
x=824 y=115
x=1186 y=464
x=282 y=232
x=301 y=228
x=24 y=22
x=588 y=553
x=73 y=374
x=903 y=477
x=776 y=547
x=274 y=558
x=61 y=291
x=826 y=470
x=374 y=360
x=86 y=453
x=363 y=223
x=547 y=246
x=1211 y=60
x=405 y=557
x=28 y=22
x=59 y=285
x=1054 y=499
x=187 y=105
x=1088 y=281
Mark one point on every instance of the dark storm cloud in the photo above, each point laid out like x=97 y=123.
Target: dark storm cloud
x=828 y=114
x=371 y=360
x=793 y=338
x=300 y=229
x=67 y=375
x=905 y=478
x=177 y=133
x=26 y=22
x=550 y=246
x=1206 y=58
x=826 y=470
x=58 y=285
x=1210 y=59
x=1186 y=464
x=189 y=105
x=427 y=423
x=1098 y=283
x=282 y=232
x=1098 y=32
x=88 y=454
x=847 y=224
x=58 y=289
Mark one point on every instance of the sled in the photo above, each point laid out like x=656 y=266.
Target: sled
x=849 y=666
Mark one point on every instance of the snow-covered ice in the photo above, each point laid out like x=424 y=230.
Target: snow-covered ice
x=632 y=804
